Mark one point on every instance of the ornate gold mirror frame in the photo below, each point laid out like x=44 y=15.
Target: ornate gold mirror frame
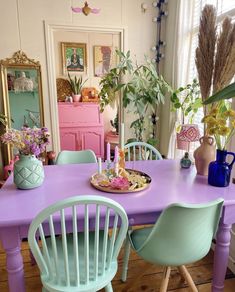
x=22 y=94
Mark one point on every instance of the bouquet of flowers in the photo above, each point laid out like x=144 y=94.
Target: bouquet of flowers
x=221 y=125
x=28 y=141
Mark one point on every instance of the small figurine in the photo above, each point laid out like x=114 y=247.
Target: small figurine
x=185 y=162
x=68 y=99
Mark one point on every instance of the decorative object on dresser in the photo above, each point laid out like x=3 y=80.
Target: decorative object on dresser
x=81 y=127
x=76 y=86
x=90 y=94
x=64 y=89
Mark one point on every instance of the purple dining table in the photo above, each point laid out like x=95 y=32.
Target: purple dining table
x=170 y=184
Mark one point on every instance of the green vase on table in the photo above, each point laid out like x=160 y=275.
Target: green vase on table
x=28 y=172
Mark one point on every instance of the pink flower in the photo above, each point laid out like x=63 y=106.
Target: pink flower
x=120 y=183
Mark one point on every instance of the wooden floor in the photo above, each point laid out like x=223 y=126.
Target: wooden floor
x=149 y=281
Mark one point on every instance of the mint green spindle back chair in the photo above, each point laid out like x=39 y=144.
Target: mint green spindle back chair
x=72 y=157
x=83 y=260
x=144 y=151
x=181 y=235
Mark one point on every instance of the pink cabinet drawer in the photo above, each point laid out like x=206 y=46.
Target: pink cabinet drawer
x=79 y=114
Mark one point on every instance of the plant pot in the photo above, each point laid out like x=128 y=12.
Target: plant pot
x=76 y=97
x=204 y=154
x=182 y=145
x=220 y=170
x=28 y=172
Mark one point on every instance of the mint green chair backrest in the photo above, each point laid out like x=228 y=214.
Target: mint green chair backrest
x=141 y=151
x=182 y=234
x=83 y=260
x=73 y=157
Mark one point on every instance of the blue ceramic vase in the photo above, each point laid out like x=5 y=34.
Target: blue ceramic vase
x=220 y=170
x=28 y=172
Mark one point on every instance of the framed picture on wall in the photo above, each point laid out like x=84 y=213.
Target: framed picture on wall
x=103 y=60
x=74 y=57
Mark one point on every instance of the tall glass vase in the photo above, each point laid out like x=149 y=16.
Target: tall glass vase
x=28 y=172
x=220 y=170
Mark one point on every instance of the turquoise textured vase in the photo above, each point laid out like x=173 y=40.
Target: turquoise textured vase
x=28 y=172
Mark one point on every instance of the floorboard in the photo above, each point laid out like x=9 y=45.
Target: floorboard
x=200 y=271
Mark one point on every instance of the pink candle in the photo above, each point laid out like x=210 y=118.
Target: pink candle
x=116 y=154
x=108 y=151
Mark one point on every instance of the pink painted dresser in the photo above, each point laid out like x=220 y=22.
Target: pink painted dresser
x=81 y=127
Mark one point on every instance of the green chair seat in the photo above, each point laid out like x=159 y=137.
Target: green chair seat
x=81 y=249
x=181 y=235
x=139 y=236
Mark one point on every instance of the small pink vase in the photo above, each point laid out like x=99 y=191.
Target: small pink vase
x=76 y=97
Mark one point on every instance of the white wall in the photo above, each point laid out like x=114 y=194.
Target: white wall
x=22 y=27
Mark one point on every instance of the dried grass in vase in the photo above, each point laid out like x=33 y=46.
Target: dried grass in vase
x=206 y=50
x=224 y=68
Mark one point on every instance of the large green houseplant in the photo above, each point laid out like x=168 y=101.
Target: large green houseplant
x=140 y=87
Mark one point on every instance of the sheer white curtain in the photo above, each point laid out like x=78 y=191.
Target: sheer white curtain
x=176 y=67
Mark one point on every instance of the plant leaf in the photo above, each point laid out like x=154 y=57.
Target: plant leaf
x=225 y=93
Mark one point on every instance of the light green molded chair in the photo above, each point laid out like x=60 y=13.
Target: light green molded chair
x=141 y=151
x=83 y=260
x=181 y=235
x=72 y=157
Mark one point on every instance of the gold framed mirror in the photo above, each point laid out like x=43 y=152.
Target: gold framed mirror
x=22 y=94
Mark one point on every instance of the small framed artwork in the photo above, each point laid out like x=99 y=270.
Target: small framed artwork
x=74 y=57
x=103 y=60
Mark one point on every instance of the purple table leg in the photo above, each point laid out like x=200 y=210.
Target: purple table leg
x=12 y=244
x=221 y=257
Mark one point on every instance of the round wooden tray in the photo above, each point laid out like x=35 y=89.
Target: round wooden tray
x=111 y=190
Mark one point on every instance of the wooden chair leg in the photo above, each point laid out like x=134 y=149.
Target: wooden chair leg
x=109 y=288
x=181 y=274
x=165 y=279
x=184 y=272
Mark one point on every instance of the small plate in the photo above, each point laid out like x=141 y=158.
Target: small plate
x=111 y=190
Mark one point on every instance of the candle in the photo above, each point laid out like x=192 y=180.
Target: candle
x=99 y=166
x=108 y=151
x=116 y=154
x=122 y=136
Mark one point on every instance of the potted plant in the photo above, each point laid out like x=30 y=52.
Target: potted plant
x=141 y=87
x=145 y=91
x=30 y=143
x=76 y=86
x=186 y=101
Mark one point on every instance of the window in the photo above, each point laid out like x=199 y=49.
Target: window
x=223 y=7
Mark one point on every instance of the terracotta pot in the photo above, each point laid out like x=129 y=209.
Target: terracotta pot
x=204 y=154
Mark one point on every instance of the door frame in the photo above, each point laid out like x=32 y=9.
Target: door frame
x=50 y=28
